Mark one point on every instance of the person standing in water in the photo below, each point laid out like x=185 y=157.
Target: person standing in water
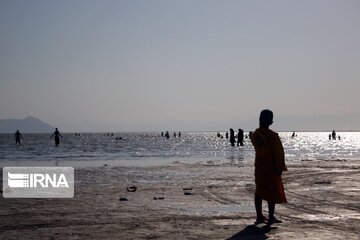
x=240 y=138
x=232 y=137
x=17 y=137
x=269 y=165
x=57 y=136
x=333 y=134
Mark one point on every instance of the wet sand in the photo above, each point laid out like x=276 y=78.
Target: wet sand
x=212 y=200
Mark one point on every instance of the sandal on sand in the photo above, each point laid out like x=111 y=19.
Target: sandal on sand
x=260 y=220
x=274 y=220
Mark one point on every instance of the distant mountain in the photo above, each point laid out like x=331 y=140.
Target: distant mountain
x=26 y=125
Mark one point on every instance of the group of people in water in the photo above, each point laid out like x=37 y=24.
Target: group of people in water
x=167 y=134
x=238 y=138
x=56 y=135
x=332 y=136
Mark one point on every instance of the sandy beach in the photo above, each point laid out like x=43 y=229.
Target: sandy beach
x=209 y=200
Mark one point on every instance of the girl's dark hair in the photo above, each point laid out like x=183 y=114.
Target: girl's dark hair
x=266 y=118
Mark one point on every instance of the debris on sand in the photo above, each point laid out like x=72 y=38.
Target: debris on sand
x=131 y=189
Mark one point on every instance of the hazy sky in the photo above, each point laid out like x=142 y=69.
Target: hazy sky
x=150 y=65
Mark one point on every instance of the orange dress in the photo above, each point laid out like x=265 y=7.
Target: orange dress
x=269 y=164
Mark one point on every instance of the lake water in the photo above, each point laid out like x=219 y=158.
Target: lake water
x=150 y=147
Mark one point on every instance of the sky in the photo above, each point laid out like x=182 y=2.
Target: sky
x=189 y=65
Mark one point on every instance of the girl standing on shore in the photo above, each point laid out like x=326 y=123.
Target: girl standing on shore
x=269 y=165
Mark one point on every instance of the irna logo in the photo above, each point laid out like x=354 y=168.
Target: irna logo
x=38 y=182
x=33 y=180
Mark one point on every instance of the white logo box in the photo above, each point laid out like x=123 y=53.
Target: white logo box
x=38 y=182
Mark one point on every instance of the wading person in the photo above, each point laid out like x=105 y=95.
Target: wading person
x=56 y=136
x=269 y=165
x=240 y=138
x=17 y=137
x=232 y=137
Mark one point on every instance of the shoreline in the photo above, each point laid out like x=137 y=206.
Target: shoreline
x=139 y=162
x=153 y=162
x=192 y=201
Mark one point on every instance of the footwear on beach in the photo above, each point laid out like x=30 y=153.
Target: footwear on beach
x=274 y=220
x=260 y=220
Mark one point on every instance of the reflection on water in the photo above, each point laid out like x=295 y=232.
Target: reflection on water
x=151 y=146
x=316 y=145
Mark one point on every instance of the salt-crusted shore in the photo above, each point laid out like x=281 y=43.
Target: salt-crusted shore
x=212 y=200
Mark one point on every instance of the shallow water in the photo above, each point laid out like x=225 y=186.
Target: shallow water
x=191 y=146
